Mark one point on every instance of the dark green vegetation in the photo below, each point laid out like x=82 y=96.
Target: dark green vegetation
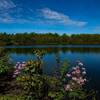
x=49 y=38
x=31 y=84
x=4 y=61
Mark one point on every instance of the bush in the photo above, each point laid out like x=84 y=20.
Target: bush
x=37 y=86
x=4 y=61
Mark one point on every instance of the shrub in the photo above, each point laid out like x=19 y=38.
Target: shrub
x=37 y=86
x=4 y=61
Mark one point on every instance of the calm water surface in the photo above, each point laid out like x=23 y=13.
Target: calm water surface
x=89 y=55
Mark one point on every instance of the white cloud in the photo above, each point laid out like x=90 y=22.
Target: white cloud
x=13 y=13
x=5 y=7
x=5 y=18
x=6 y=4
x=55 y=16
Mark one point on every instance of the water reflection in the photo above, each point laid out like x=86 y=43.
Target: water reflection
x=55 y=50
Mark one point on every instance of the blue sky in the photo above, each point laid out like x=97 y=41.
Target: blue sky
x=61 y=16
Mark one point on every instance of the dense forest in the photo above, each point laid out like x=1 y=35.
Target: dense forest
x=48 y=38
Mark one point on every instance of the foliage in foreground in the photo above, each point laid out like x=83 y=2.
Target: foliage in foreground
x=4 y=62
x=37 y=86
x=11 y=98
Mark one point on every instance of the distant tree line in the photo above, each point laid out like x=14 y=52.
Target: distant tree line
x=48 y=38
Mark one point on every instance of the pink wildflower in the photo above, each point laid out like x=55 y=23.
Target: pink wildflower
x=74 y=78
x=67 y=87
x=68 y=75
x=74 y=68
x=80 y=64
x=78 y=71
x=84 y=72
x=73 y=72
x=83 y=68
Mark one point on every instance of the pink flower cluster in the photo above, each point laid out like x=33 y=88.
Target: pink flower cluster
x=18 y=67
x=77 y=77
